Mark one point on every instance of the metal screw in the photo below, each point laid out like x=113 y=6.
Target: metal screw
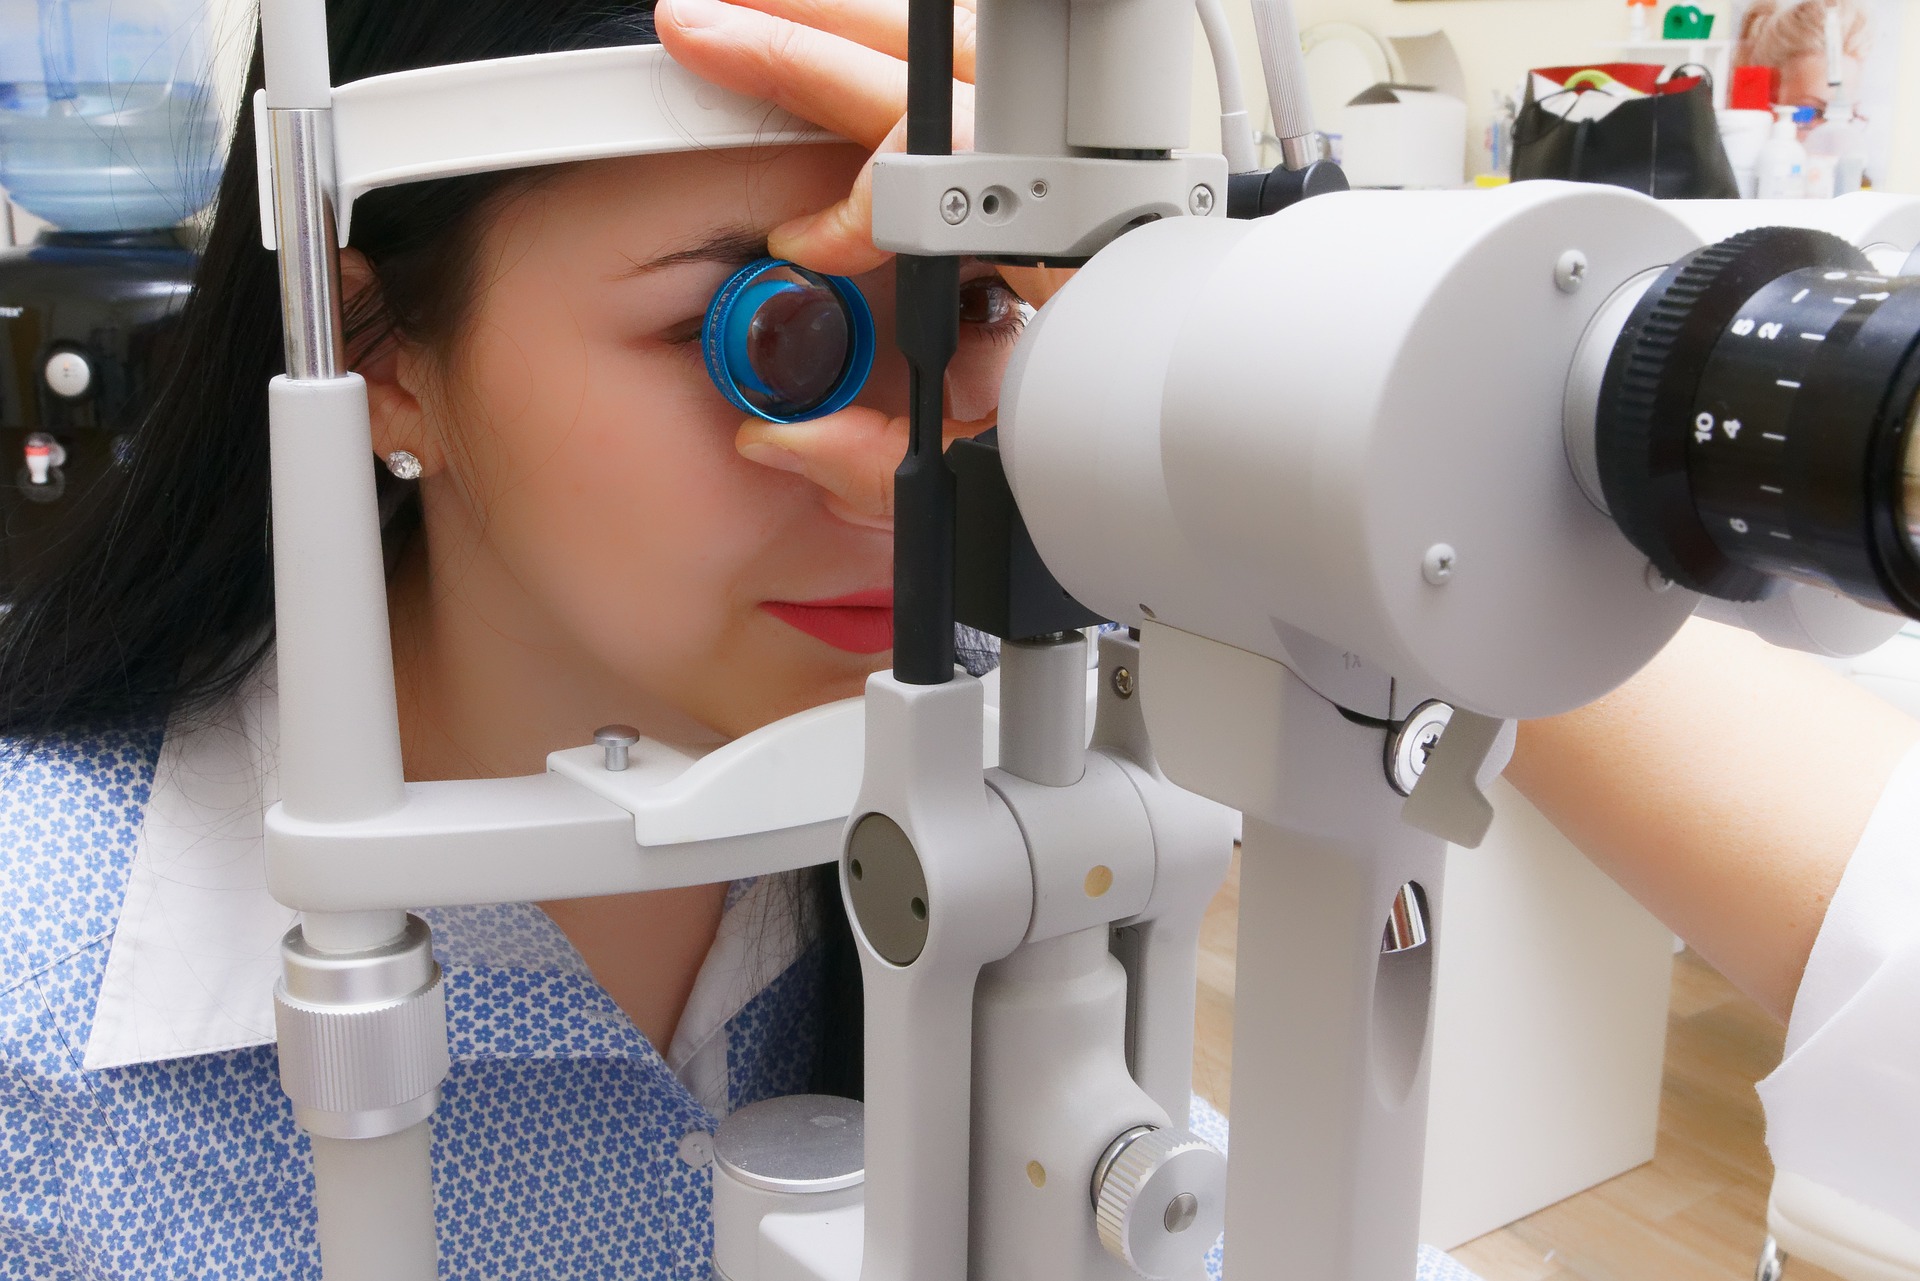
x=1181 y=1212
x=1411 y=744
x=1570 y=272
x=1657 y=581
x=1039 y=188
x=1437 y=565
x=616 y=739
x=1123 y=682
x=1200 y=200
x=954 y=206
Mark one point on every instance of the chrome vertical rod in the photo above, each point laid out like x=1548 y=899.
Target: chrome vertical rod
x=302 y=142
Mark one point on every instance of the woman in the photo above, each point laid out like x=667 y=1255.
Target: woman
x=1791 y=37
x=581 y=530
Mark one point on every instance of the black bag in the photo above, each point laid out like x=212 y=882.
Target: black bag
x=1666 y=145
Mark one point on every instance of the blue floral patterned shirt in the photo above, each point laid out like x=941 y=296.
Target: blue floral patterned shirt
x=565 y=1145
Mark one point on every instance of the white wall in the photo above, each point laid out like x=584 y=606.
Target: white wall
x=1498 y=40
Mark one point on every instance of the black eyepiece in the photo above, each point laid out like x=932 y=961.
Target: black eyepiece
x=1755 y=420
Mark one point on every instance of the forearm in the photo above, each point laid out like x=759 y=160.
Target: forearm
x=1725 y=787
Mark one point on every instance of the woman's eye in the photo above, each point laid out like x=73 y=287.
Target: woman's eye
x=991 y=306
x=687 y=331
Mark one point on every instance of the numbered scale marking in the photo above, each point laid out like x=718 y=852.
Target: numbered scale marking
x=1757 y=414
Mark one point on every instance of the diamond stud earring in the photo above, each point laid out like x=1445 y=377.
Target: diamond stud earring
x=403 y=465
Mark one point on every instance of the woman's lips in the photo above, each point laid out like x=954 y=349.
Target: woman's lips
x=860 y=623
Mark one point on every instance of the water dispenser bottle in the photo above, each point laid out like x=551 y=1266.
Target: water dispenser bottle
x=107 y=119
x=110 y=132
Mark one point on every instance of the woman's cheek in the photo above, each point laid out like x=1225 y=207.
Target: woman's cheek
x=623 y=511
x=974 y=378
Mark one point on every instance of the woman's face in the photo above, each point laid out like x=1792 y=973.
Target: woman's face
x=588 y=502
x=1803 y=80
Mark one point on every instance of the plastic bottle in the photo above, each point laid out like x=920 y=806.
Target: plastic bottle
x=107 y=122
x=1640 y=20
x=1499 y=136
x=1783 y=161
x=1838 y=148
x=1743 y=134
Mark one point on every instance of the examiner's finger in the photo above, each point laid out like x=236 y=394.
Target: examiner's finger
x=839 y=85
x=880 y=25
x=852 y=455
x=839 y=239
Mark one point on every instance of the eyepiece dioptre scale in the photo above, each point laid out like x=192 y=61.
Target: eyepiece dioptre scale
x=1756 y=421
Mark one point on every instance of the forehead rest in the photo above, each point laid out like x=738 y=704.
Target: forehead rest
x=513 y=113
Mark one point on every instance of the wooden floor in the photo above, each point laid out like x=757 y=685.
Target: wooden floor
x=1697 y=1212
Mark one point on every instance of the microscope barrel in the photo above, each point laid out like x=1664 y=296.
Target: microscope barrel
x=1340 y=427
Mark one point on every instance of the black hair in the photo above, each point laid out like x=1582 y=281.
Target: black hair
x=160 y=603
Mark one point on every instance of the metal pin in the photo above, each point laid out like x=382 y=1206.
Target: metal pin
x=616 y=739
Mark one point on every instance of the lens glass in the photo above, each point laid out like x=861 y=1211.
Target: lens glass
x=798 y=339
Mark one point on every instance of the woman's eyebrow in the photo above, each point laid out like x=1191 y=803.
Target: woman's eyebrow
x=738 y=245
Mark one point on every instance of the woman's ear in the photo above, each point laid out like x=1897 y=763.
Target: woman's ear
x=393 y=370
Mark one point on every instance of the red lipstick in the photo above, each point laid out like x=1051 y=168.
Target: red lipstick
x=859 y=623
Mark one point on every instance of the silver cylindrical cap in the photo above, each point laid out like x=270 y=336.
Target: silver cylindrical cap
x=362 y=1035
x=802 y=1143
x=1160 y=1201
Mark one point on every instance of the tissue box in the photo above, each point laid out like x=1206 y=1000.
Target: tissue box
x=1404 y=136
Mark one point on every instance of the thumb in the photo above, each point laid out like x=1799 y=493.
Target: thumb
x=851 y=455
x=838 y=240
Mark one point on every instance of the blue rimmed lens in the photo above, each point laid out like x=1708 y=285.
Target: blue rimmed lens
x=786 y=343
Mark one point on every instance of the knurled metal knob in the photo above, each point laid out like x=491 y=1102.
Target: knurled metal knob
x=1160 y=1200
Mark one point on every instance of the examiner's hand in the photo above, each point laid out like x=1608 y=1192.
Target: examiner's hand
x=840 y=64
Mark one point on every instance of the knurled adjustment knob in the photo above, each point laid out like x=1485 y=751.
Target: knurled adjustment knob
x=1648 y=394
x=1160 y=1200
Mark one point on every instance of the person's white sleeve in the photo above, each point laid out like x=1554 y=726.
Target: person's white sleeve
x=1843 y=1108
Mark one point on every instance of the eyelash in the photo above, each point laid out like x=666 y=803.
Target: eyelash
x=1005 y=329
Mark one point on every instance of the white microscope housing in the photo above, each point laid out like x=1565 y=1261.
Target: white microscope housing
x=1336 y=437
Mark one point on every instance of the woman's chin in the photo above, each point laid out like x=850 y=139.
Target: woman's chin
x=797 y=679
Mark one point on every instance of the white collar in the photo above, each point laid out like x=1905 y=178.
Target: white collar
x=196 y=952
x=197 y=947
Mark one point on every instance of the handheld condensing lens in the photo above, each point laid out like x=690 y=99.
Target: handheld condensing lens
x=788 y=344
